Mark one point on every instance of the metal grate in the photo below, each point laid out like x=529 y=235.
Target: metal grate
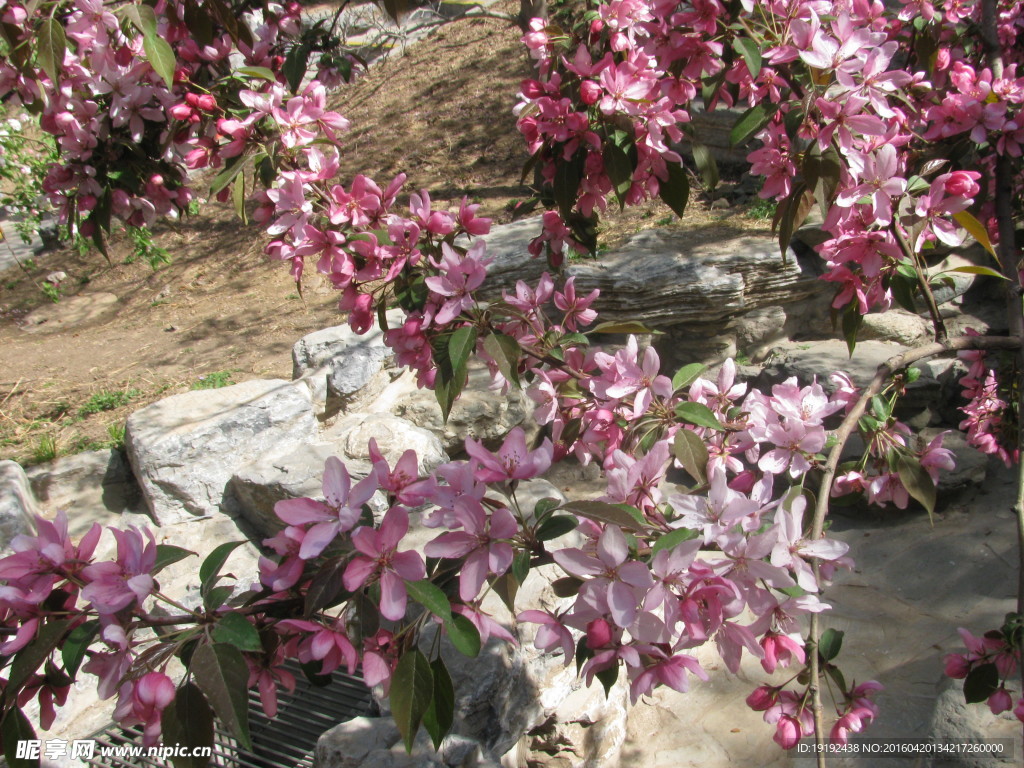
x=287 y=741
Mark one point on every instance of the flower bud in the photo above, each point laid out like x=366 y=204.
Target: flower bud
x=206 y=102
x=590 y=92
x=532 y=89
x=762 y=698
x=599 y=634
x=962 y=183
x=180 y=111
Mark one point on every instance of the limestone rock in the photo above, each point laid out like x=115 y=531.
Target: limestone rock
x=954 y=720
x=17 y=504
x=479 y=412
x=298 y=470
x=185 y=448
x=347 y=744
x=896 y=325
x=87 y=485
x=342 y=366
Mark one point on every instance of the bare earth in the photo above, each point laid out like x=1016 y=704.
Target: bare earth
x=442 y=113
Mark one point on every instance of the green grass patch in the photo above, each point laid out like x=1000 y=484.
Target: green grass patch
x=214 y=380
x=108 y=400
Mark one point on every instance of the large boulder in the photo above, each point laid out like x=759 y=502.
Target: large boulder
x=343 y=368
x=297 y=471
x=184 y=449
x=17 y=503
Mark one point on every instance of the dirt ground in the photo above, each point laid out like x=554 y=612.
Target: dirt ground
x=221 y=312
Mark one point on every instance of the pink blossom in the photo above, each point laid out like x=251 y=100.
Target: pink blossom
x=142 y=702
x=379 y=556
x=512 y=462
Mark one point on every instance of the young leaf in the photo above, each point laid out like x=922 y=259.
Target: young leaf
x=51 y=45
x=430 y=596
x=213 y=563
x=830 y=643
x=673 y=539
x=917 y=481
x=215 y=597
x=544 y=506
x=749 y=123
x=505 y=351
x=440 y=714
x=706 y=165
x=621 y=515
x=692 y=454
x=234 y=167
x=608 y=677
x=222 y=674
x=687 y=375
x=980 y=683
x=412 y=689
x=974 y=270
x=675 y=191
x=72 y=650
x=326 y=585
x=521 y=566
x=238 y=197
x=750 y=52
x=161 y=57
x=976 y=229
x=263 y=73
x=699 y=415
x=16 y=728
x=464 y=635
x=567 y=586
x=556 y=526
x=234 y=629
x=629 y=326
x=166 y=554
x=619 y=170
x=188 y=720
x=295 y=63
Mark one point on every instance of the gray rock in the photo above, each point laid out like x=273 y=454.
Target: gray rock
x=479 y=412
x=17 y=504
x=896 y=325
x=954 y=720
x=184 y=449
x=87 y=484
x=298 y=471
x=971 y=464
x=342 y=367
x=347 y=744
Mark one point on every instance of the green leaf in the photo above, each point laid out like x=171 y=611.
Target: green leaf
x=556 y=526
x=238 y=197
x=188 y=720
x=211 y=566
x=161 y=57
x=706 y=164
x=412 y=690
x=852 y=321
x=215 y=597
x=167 y=554
x=917 y=481
x=544 y=506
x=822 y=172
x=234 y=167
x=976 y=229
x=567 y=586
x=326 y=585
x=980 y=683
x=440 y=715
x=749 y=124
x=221 y=673
x=51 y=45
x=566 y=185
x=699 y=415
x=31 y=657
x=72 y=650
x=794 y=213
x=608 y=677
x=880 y=407
x=830 y=643
x=673 y=539
x=692 y=453
x=521 y=566
x=141 y=16
x=973 y=270
x=629 y=326
x=794 y=591
x=451 y=355
x=263 y=73
x=675 y=191
x=234 y=629
x=687 y=375
x=505 y=351
x=622 y=515
x=750 y=52
x=834 y=672
x=464 y=635
x=14 y=728
x=506 y=587
x=199 y=23
x=619 y=169
x=295 y=64
x=430 y=596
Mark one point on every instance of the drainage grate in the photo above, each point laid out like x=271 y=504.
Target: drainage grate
x=287 y=741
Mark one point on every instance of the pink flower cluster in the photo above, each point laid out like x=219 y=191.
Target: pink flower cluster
x=995 y=651
x=991 y=422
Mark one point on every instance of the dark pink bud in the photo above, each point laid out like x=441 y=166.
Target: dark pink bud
x=206 y=102
x=762 y=698
x=124 y=56
x=957 y=666
x=962 y=183
x=180 y=111
x=787 y=732
x=599 y=634
x=596 y=26
x=942 y=59
x=590 y=92
x=531 y=89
